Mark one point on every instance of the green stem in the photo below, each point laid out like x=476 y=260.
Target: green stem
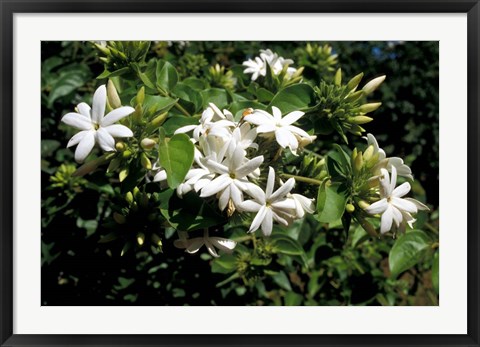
x=303 y=179
x=431 y=228
x=177 y=105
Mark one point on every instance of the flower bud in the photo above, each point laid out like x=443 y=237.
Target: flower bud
x=129 y=197
x=137 y=194
x=354 y=154
x=158 y=121
x=363 y=204
x=127 y=154
x=367 y=155
x=352 y=97
x=140 y=239
x=367 y=226
x=157 y=240
x=147 y=143
x=112 y=95
x=141 y=95
x=338 y=77
x=114 y=164
x=138 y=114
x=371 y=86
x=120 y=146
x=358 y=163
x=119 y=218
x=349 y=208
x=145 y=161
x=361 y=119
x=354 y=82
x=366 y=108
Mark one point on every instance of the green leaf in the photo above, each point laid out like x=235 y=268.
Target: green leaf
x=175 y=122
x=187 y=214
x=48 y=147
x=297 y=97
x=293 y=299
x=67 y=83
x=215 y=95
x=264 y=95
x=167 y=75
x=435 y=272
x=407 y=251
x=154 y=104
x=225 y=264
x=176 y=157
x=192 y=99
x=331 y=202
x=284 y=244
x=282 y=280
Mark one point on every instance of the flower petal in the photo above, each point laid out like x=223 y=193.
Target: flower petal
x=223 y=198
x=99 y=103
x=292 y=117
x=77 y=138
x=249 y=206
x=285 y=204
x=117 y=114
x=118 y=130
x=259 y=117
x=277 y=114
x=185 y=129
x=256 y=192
x=210 y=248
x=85 y=146
x=283 y=190
x=78 y=121
x=286 y=139
x=377 y=207
x=84 y=109
x=105 y=140
x=236 y=195
x=401 y=190
x=215 y=186
x=270 y=182
x=193 y=245
x=160 y=176
x=419 y=205
x=298 y=131
x=403 y=204
x=257 y=221
x=266 y=128
x=267 y=223
x=249 y=167
x=223 y=244
x=387 y=219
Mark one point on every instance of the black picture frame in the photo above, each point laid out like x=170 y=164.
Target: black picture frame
x=10 y=7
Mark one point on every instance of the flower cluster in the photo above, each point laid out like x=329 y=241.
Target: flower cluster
x=259 y=65
x=226 y=167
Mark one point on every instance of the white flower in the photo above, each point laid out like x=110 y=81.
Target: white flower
x=302 y=204
x=95 y=127
x=193 y=245
x=233 y=180
x=258 y=66
x=285 y=133
x=392 y=206
x=270 y=206
x=402 y=169
x=213 y=122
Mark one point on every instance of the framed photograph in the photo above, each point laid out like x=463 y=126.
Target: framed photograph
x=205 y=173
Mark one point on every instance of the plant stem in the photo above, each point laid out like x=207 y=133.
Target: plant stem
x=303 y=179
x=177 y=105
x=431 y=228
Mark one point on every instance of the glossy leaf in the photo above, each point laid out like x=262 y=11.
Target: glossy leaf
x=407 y=251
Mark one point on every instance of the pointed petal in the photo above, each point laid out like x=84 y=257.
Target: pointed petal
x=160 y=176
x=387 y=219
x=401 y=190
x=77 y=138
x=397 y=216
x=270 y=182
x=377 y=207
x=385 y=183
x=404 y=205
x=266 y=128
x=85 y=146
x=185 y=129
x=279 y=219
x=223 y=198
x=193 y=245
x=284 y=205
x=259 y=117
x=84 y=109
x=277 y=114
x=257 y=221
x=249 y=167
x=256 y=192
x=215 y=186
x=292 y=117
x=418 y=204
x=267 y=223
x=286 y=139
x=393 y=180
x=210 y=248
x=216 y=167
x=249 y=206
x=223 y=244
x=118 y=130
x=298 y=131
x=117 y=114
x=99 y=103
x=105 y=140
x=283 y=190
x=236 y=195
x=78 y=121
